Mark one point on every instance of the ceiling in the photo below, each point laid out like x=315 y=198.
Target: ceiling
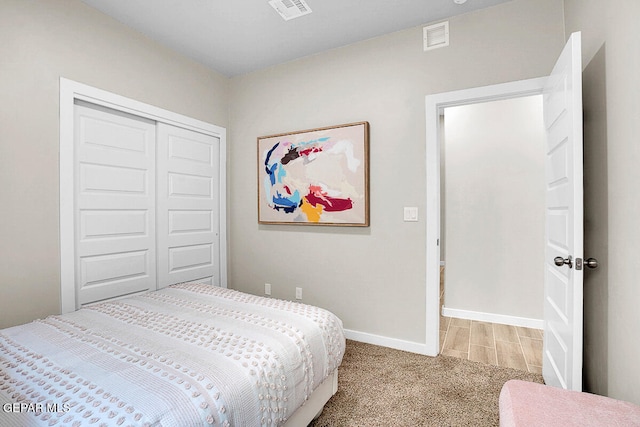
x=236 y=37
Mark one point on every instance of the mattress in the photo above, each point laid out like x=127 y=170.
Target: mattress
x=187 y=355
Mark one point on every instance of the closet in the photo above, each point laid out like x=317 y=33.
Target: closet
x=146 y=204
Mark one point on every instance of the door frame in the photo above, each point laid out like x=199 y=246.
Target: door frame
x=69 y=92
x=435 y=105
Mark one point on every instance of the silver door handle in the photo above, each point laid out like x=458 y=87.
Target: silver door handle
x=559 y=261
x=591 y=263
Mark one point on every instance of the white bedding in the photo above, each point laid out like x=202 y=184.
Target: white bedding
x=188 y=355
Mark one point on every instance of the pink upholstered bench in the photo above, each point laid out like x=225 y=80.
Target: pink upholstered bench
x=527 y=404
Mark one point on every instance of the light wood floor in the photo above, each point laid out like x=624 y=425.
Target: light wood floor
x=502 y=345
x=492 y=343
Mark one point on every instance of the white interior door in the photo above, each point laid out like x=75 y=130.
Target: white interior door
x=188 y=206
x=114 y=204
x=563 y=304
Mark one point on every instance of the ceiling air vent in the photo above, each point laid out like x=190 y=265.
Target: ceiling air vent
x=290 y=9
x=436 y=36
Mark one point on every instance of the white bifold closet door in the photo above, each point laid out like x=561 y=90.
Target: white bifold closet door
x=146 y=205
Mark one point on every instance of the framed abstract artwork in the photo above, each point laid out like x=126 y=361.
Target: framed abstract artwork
x=315 y=177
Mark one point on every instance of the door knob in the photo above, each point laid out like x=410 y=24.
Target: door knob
x=559 y=261
x=591 y=263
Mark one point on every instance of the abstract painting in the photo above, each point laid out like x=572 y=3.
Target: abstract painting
x=317 y=176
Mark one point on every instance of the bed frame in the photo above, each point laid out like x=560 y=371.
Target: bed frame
x=312 y=408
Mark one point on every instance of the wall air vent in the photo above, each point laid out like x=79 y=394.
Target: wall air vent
x=290 y=9
x=436 y=35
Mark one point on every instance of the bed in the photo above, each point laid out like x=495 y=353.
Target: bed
x=187 y=355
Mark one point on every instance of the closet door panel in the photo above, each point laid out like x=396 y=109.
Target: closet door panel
x=188 y=206
x=114 y=204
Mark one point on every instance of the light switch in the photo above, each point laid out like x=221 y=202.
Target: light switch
x=411 y=214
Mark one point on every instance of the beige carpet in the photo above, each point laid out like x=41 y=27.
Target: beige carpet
x=379 y=386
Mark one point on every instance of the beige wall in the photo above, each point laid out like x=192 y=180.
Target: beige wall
x=495 y=201
x=373 y=278
x=611 y=60
x=596 y=232
x=43 y=40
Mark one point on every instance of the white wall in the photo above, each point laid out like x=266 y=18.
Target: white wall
x=373 y=278
x=611 y=60
x=494 y=207
x=40 y=41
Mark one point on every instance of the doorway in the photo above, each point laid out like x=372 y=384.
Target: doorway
x=435 y=107
x=493 y=201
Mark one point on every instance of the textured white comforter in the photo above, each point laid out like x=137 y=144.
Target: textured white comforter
x=188 y=355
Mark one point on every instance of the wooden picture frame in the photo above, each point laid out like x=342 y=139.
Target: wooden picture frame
x=315 y=177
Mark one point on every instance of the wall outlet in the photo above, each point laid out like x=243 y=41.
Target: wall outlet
x=267 y=288
x=298 y=293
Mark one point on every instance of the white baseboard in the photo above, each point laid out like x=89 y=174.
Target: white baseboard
x=493 y=318
x=410 y=346
x=421 y=348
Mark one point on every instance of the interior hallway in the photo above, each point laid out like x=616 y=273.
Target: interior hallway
x=502 y=345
